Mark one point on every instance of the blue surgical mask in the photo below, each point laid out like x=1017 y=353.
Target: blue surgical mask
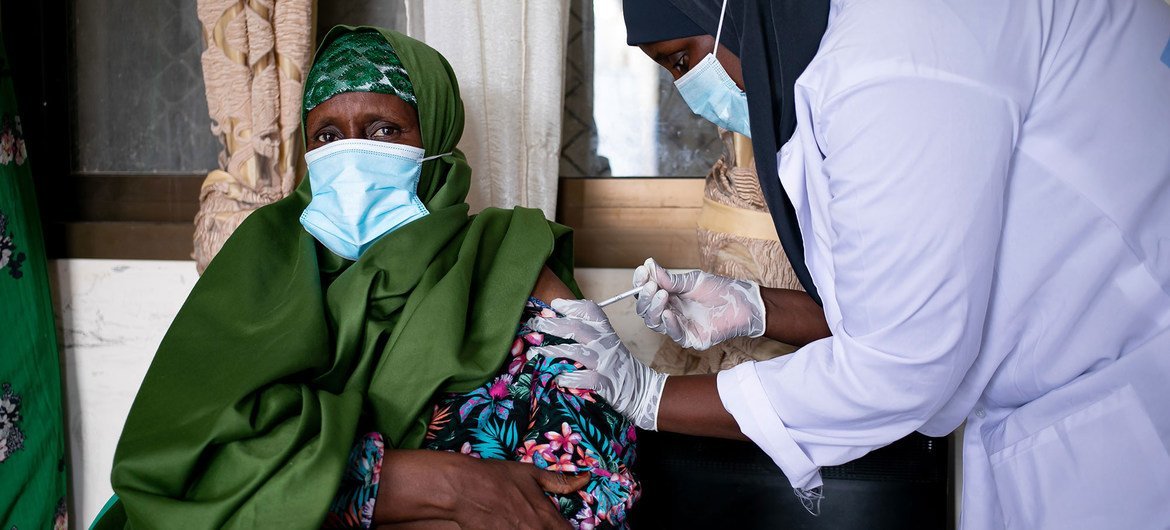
x=711 y=93
x=362 y=190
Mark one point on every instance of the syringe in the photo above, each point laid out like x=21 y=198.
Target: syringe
x=626 y=294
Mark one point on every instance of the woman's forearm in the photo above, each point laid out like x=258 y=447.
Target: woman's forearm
x=792 y=317
x=429 y=487
x=690 y=405
x=412 y=488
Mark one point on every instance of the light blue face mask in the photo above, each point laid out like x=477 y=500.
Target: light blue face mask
x=362 y=190
x=711 y=93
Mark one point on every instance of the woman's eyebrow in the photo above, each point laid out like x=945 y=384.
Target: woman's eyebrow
x=373 y=115
x=321 y=124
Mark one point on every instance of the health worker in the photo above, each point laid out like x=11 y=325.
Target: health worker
x=976 y=196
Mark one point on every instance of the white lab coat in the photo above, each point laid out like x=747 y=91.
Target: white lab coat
x=983 y=187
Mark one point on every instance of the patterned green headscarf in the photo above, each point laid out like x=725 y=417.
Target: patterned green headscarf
x=361 y=61
x=284 y=352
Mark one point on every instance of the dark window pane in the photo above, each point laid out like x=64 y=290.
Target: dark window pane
x=139 y=100
x=390 y=14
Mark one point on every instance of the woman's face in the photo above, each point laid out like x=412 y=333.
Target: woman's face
x=678 y=56
x=363 y=115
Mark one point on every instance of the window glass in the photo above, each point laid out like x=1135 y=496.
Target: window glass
x=139 y=100
x=623 y=115
x=138 y=94
x=389 y=14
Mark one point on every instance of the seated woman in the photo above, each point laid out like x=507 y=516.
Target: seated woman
x=367 y=369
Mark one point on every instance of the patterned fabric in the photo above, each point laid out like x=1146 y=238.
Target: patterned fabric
x=357 y=62
x=32 y=442
x=11 y=256
x=354 y=505
x=521 y=415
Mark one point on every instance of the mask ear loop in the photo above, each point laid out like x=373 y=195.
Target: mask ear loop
x=719 y=30
x=435 y=156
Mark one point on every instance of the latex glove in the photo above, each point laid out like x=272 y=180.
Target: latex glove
x=698 y=309
x=629 y=386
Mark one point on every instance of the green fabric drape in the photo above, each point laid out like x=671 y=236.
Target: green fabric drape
x=32 y=442
x=283 y=350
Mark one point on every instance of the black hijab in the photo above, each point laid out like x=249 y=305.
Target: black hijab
x=655 y=21
x=775 y=41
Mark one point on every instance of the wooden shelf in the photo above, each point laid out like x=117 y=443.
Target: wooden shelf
x=619 y=222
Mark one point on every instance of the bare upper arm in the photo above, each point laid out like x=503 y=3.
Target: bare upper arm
x=549 y=287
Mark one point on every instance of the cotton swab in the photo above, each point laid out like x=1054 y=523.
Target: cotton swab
x=619 y=297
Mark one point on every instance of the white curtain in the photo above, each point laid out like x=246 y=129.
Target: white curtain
x=510 y=60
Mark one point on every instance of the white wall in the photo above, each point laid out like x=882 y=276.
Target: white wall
x=113 y=314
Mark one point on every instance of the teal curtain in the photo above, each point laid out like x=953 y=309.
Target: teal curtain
x=32 y=444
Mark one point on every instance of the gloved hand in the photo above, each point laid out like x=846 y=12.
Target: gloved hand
x=698 y=309
x=629 y=386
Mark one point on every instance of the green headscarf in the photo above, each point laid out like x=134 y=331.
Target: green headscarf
x=359 y=61
x=285 y=352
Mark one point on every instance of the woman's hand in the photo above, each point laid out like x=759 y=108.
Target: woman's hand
x=501 y=494
x=434 y=486
x=697 y=309
x=629 y=386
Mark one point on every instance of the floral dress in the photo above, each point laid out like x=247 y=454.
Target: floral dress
x=33 y=468
x=520 y=415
